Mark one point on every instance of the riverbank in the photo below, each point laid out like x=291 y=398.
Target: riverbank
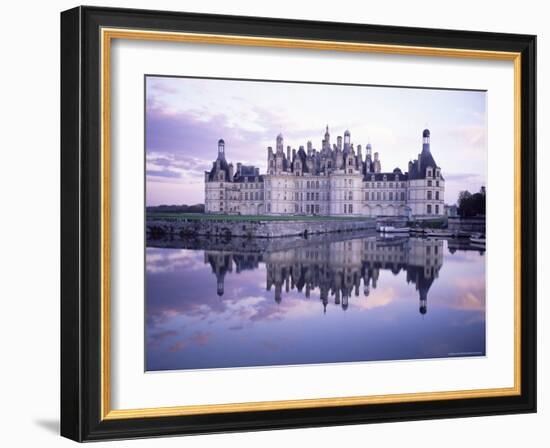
x=227 y=226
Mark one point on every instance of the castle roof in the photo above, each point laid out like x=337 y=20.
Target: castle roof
x=248 y=173
x=390 y=177
x=421 y=165
x=301 y=154
x=217 y=166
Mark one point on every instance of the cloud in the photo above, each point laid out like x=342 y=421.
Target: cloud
x=199 y=338
x=472 y=139
x=163 y=173
x=183 y=133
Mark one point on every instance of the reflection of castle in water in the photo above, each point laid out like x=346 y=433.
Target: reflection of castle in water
x=338 y=268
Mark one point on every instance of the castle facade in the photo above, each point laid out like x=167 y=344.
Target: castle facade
x=333 y=181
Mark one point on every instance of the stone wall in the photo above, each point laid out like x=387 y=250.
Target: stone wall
x=252 y=229
x=467 y=224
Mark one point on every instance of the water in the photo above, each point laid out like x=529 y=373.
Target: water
x=243 y=303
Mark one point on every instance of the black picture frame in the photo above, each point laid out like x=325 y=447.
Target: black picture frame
x=81 y=224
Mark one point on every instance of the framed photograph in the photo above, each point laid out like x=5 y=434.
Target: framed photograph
x=272 y=223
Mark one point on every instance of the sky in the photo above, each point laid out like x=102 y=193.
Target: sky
x=185 y=118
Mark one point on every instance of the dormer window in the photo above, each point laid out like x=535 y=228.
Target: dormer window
x=385 y=177
x=437 y=173
x=429 y=172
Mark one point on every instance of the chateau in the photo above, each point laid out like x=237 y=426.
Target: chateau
x=336 y=180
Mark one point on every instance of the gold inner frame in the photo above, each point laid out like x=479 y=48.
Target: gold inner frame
x=107 y=35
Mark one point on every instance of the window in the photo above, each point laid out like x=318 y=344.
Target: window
x=391 y=196
x=429 y=209
x=377 y=184
x=429 y=195
x=345 y=208
x=316 y=208
x=437 y=195
x=384 y=195
x=316 y=184
x=308 y=184
x=437 y=209
x=402 y=196
x=316 y=196
x=437 y=183
x=429 y=172
x=350 y=208
x=429 y=183
x=350 y=196
x=378 y=196
x=391 y=184
x=367 y=196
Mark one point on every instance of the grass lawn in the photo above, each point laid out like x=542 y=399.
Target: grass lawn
x=178 y=216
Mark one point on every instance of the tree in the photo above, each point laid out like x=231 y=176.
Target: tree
x=470 y=205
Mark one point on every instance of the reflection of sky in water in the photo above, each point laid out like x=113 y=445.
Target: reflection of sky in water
x=189 y=325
